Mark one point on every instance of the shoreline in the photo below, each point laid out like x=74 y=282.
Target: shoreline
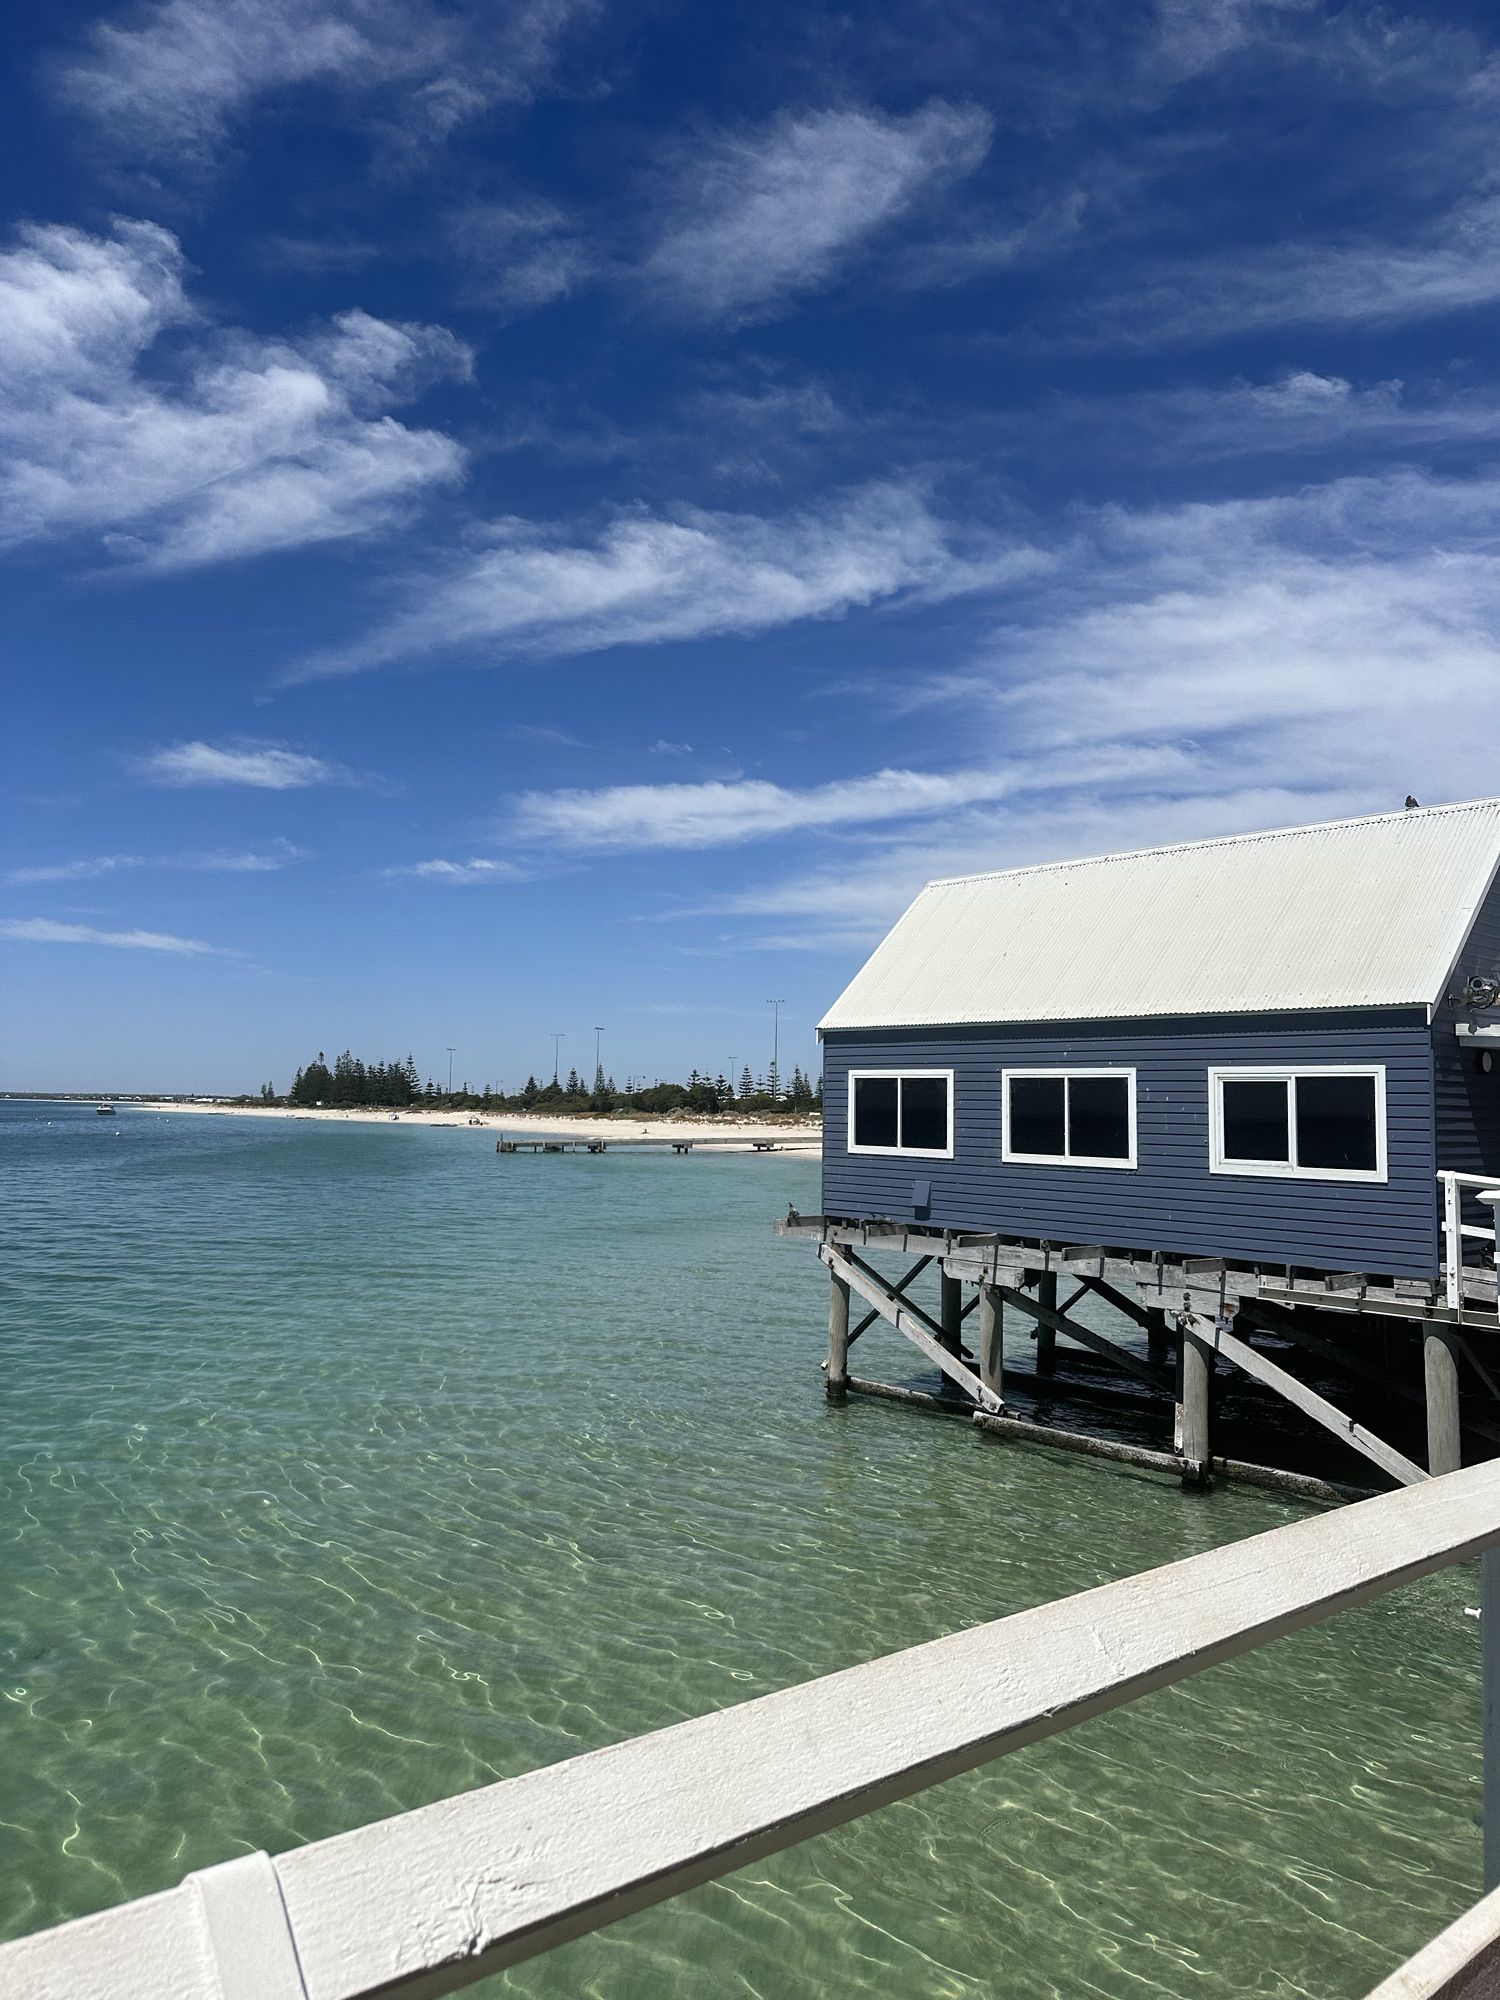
x=724 y=1133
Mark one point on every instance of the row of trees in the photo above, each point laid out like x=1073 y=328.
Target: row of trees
x=396 y=1085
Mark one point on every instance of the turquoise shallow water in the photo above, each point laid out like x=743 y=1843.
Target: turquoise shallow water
x=344 y=1467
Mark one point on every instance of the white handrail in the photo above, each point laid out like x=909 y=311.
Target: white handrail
x=425 y=1902
x=1455 y=1229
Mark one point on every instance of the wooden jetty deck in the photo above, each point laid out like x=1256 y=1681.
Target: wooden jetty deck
x=427 y=1901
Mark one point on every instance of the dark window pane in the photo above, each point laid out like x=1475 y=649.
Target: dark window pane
x=1036 y=1115
x=1099 y=1117
x=1255 y=1126
x=875 y=1111
x=924 y=1113
x=1336 y=1122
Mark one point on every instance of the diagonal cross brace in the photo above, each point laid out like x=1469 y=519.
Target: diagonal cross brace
x=918 y=1327
x=1313 y=1405
x=870 y=1317
x=1146 y=1371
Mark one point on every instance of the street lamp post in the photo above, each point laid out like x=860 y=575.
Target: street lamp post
x=559 y=1034
x=776 y=1047
x=451 y=1053
x=598 y=1059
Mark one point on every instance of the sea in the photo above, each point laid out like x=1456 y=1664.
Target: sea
x=346 y=1466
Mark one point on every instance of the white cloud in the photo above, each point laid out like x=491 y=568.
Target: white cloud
x=518 y=255
x=464 y=873
x=221 y=861
x=76 y=871
x=1451 y=266
x=1183 y=672
x=649 y=578
x=719 y=814
x=266 y=766
x=42 y=930
x=241 y=445
x=760 y=216
x=170 y=81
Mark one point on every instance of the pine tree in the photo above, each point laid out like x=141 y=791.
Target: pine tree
x=573 y=1085
x=747 y=1082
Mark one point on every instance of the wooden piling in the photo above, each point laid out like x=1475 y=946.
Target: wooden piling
x=1440 y=1368
x=838 y=1338
x=992 y=1339
x=1046 y=1336
x=1158 y=1344
x=1192 y=1411
x=952 y=1313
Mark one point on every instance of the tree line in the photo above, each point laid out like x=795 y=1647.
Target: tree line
x=396 y=1086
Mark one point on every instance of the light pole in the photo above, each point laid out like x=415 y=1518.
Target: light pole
x=559 y=1034
x=733 y=1082
x=451 y=1054
x=598 y=1059
x=776 y=1047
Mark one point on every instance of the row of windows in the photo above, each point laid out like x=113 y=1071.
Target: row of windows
x=1319 y=1123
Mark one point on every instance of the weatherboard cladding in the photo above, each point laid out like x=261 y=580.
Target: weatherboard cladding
x=1353 y=914
x=1468 y=1101
x=1170 y=1202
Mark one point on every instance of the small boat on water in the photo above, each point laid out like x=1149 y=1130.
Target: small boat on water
x=105 y=1110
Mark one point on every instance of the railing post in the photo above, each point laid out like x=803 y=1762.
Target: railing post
x=1453 y=1239
x=992 y=1339
x=838 y=1338
x=1489 y=1630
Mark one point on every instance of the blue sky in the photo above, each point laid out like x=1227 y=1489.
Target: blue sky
x=525 y=517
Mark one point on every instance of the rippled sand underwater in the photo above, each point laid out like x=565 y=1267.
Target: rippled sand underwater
x=345 y=1467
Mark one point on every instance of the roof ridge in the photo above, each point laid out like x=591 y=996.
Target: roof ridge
x=1405 y=813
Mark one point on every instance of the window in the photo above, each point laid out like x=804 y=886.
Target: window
x=1326 y=1123
x=1071 y=1118
x=901 y=1111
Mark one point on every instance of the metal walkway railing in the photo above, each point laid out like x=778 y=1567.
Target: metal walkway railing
x=423 y=1903
x=1455 y=1229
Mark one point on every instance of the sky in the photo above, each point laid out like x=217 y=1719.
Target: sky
x=524 y=520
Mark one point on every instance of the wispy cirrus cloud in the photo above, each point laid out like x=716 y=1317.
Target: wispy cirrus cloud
x=170 y=80
x=1180 y=672
x=725 y=813
x=237 y=446
x=759 y=216
x=225 y=861
x=648 y=578
x=43 y=930
x=268 y=767
x=82 y=870
x=463 y=873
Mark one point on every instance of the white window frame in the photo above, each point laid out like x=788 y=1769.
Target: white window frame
x=903 y=1152
x=1011 y=1157
x=1288 y=1169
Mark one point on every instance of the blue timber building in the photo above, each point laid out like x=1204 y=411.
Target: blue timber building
x=1263 y=1049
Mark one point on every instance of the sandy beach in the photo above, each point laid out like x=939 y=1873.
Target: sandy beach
x=724 y=1134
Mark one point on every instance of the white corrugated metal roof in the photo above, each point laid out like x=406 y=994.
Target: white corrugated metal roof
x=1353 y=913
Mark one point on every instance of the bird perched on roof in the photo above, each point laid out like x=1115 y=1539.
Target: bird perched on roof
x=1411 y=803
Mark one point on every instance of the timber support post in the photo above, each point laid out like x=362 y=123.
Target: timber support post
x=992 y=1339
x=1157 y=1348
x=838 y=1338
x=1192 y=1411
x=1046 y=1336
x=1440 y=1370
x=952 y=1314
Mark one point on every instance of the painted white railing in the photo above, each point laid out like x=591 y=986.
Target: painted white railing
x=423 y=1903
x=1455 y=1229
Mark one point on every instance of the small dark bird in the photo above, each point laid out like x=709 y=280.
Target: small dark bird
x=1411 y=803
